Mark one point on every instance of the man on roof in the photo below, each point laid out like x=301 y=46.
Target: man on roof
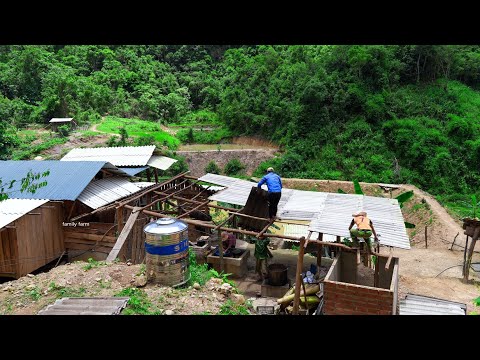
x=274 y=185
x=363 y=229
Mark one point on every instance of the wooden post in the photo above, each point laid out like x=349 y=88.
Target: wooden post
x=298 y=277
x=319 y=253
x=119 y=220
x=149 y=178
x=426 y=244
x=470 y=252
x=220 y=249
x=453 y=243
x=465 y=255
x=155 y=172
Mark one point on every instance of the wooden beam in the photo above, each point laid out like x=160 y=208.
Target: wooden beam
x=71 y=210
x=155 y=172
x=153 y=188
x=119 y=219
x=298 y=277
x=123 y=236
x=265 y=228
x=220 y=249
x=387 y=265
x=165 y=197
x=470 y=252
x=319 y=252
x=192 y=210
x=149 y=178
x=307 y=240
x=426 y=244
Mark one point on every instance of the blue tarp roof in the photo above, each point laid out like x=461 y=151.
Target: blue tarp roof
x=66 y=181
x=132 y=171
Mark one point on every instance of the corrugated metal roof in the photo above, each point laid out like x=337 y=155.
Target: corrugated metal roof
x=105 y=191
x=425 y=305
x=66 y=181
x=86 y=306
x=118 y=156
x=161 y=162
x=143 y=184
x=299 y=230
x=330 y=213
x=55 y=120
x=132 y=171
x=213 y=187
x=13 y=209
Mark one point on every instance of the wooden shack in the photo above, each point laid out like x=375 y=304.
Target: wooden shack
x=56 y=122
x=31 y=235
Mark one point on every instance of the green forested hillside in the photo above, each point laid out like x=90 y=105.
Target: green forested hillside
x=372 y=113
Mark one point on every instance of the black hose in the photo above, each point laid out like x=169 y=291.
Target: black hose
x=449 y=268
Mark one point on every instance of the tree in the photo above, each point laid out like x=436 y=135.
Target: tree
x=28 y=184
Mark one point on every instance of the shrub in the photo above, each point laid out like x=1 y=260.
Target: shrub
x=233 y=167
x=212 y=168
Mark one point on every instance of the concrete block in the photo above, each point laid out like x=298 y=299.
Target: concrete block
x=235 y=266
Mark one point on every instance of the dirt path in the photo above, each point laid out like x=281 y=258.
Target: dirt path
x=452 y=225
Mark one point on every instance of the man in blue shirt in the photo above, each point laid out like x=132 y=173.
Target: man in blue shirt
x=274 y=185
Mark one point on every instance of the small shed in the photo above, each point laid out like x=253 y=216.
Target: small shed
x=29 y=235
x=56 y=122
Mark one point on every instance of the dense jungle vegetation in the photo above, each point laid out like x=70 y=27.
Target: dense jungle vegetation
x=399 y=114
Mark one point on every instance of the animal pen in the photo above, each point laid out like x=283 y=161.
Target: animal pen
x=189 y=199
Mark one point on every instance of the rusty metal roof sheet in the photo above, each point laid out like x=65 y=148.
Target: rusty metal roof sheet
x=13 y=209
x=86 y=306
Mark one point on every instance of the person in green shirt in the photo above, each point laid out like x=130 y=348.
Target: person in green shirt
x=262 y=254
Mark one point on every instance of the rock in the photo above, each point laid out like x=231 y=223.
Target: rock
x=98 y=279
x=196 y=286
x=140 y=281
x=214 y=295
x=30 y=275
x=225 y=289
x=129 y=263
x=45 y=292
x=238 y=299
x=69 y=282
x=169 y=312
x=8 y=288
x=30 y=287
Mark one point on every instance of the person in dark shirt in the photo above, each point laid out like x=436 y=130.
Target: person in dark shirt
x=229 y=241
x=262 y=254
x=274 y=185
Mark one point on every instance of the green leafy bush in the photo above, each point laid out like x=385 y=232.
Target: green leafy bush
x=233 y=167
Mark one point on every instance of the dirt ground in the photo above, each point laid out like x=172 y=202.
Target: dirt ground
x=30 y=294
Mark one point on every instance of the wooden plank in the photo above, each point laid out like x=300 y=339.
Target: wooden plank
x=91 y=247
x=298 y=277
x=123 y=235
x=85 y=236
x=69 y=241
